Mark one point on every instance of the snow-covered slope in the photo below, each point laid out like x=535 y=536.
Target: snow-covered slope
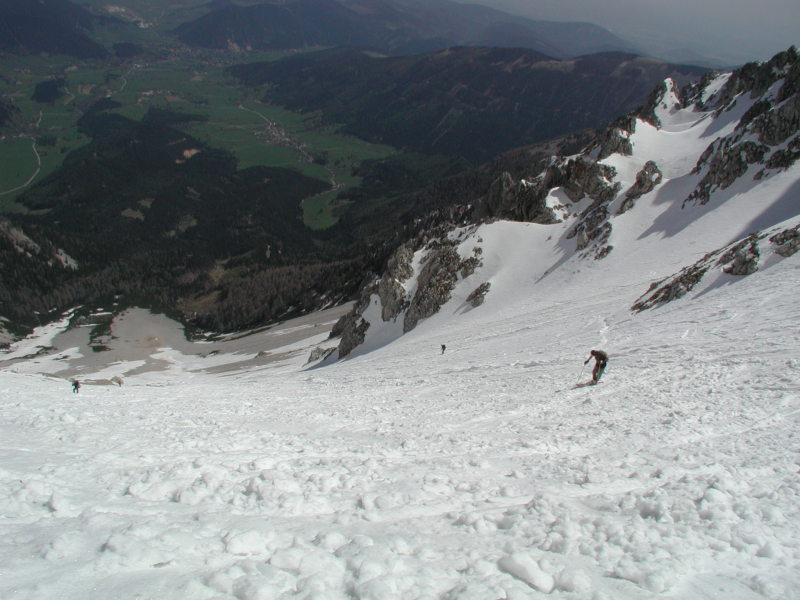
x=663 y=188
x=483 y=472
x=487 y=471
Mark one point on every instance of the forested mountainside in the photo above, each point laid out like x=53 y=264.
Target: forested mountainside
x=394 y=26
x=149 y=213
x=52 y=26
x=469 y=102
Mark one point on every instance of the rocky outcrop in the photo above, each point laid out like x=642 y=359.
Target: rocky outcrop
x=442 y=267
x=725 y=166
x=786 y=242
x=435 y=283
x=740 y=258
x=616 y=139
x=390 y=288
x=646 y=180
x=478 y=295
x=585 y=177
x=589 y=178
x=440 y=270
x=767 y=134
x=781 y=159
x=515 y=200
x=320 y=354
x=660 y=97
x=388 y=291
x=758 y=78
x=352 y=327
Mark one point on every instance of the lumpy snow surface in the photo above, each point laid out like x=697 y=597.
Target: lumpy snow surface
x=484 y=472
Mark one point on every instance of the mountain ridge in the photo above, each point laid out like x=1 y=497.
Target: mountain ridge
x=395 y=26
x=726 y=148
x=52 y=26
x=473 y=102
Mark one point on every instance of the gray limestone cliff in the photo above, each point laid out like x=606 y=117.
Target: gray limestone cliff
x=440 y=269
x=741 y=258
x=517 y=201
x=646 y=180
x=766 y=138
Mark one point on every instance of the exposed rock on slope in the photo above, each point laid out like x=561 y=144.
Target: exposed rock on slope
x=739 y=259
x=742 y=130
x=517 y=200
x=409 y=292
x=646 y=179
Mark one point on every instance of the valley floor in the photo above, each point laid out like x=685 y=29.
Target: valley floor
x=479 y=473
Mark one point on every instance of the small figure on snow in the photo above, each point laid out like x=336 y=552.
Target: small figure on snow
x=443 y=348
x=76 y=386
x=600 y=361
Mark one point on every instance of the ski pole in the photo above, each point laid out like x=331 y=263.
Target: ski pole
x=583 y=368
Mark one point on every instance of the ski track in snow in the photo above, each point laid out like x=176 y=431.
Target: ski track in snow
x=405 y=473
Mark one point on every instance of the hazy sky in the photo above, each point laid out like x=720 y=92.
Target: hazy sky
x=732 y=30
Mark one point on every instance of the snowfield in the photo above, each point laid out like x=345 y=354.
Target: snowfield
x=237 y=470
x=481 y=473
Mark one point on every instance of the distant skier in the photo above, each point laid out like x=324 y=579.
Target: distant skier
x=600 y=361
x=76 y=386
x=443 y=348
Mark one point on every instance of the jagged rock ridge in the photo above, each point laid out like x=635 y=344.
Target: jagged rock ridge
x=740 y=258
x=757 y=111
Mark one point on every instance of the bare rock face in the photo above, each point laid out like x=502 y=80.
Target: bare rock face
x=441 y=269
x=478 y=295
x=587 y=177
x=646 y=180
x=726 y=165
x=768 y=133
x=616 y=139
x=740 y=258
x=434 y=284
x=390 y=293
x=352 y=327
x=390 y=289
x=320 y=353
x=786 y=242
x=517 y=201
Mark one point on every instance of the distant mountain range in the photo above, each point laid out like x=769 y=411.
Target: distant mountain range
x=52 y=26
x=472 y=102
x=393 y=26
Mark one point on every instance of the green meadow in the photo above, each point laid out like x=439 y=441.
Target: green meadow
x=229 y=117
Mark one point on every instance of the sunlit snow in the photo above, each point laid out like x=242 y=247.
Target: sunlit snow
x=238 y=470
